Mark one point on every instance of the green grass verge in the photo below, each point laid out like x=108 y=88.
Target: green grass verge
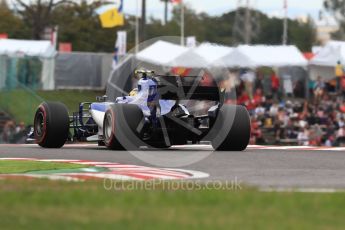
x=17 y=166
x=22 y=104
x=43 y=204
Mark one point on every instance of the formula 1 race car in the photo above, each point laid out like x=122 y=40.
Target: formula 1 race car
x=151 y=115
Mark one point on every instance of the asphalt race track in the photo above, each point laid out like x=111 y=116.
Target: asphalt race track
x=274 y=167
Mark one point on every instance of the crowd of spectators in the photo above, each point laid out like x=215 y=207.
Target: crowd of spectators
x=14 y=133
x=287 y=120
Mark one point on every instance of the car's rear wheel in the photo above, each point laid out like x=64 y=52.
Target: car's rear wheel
x=233 y=125
x=51 y=125
x=159 y=145
x=121 y=127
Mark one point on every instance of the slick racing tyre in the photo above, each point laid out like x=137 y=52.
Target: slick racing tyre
x=233 y=125
x=51 y=125
x=159 y=145
x=121 y=126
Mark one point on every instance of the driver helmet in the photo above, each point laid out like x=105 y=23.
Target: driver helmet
x=143 y=73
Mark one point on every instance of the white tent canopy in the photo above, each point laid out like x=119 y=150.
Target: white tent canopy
x=208 y=55
x=13 y=47
x=169 y=54
x=161 y=53
x=260 y=55
x=189 y=59
x=329 y=55
x=203 y=56
x=213 y=52
x=325 y=60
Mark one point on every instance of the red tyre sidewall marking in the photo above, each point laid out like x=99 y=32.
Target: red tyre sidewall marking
x=42 y=139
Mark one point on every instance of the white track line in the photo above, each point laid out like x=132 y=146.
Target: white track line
x=303 y=190
x=202 y=147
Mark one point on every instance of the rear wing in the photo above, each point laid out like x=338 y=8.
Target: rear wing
x=187 y=88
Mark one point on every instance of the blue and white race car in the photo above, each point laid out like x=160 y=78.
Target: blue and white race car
x=151 y=115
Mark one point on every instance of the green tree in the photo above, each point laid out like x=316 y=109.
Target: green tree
x=219 y=29
x=10 y=23
x=337 y=9
x=79 y=25
x=301 y=34
x=38 y=14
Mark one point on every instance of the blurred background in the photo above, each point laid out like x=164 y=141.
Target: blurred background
x=283 y=59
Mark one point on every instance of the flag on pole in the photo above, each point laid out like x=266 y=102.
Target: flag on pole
x=111 y=14
x=121 y=42
x=120 y=47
